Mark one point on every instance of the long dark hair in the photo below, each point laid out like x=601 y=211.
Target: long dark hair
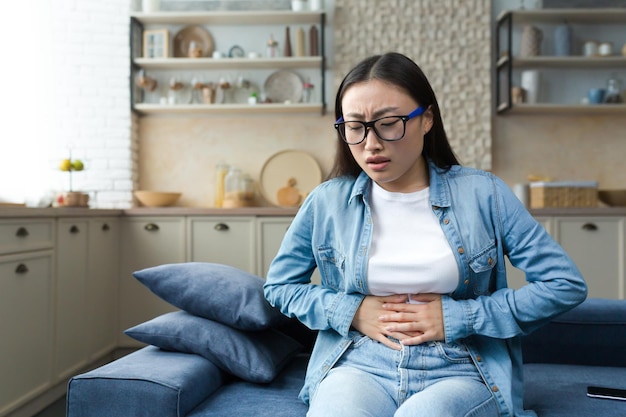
x=401 y=71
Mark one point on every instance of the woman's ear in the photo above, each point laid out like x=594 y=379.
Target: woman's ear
x=428 y=120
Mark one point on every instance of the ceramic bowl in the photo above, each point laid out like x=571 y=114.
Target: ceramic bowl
x=156 y=198
x=613 y=197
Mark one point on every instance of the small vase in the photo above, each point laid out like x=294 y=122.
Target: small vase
x=563 y=40
x=531 y=41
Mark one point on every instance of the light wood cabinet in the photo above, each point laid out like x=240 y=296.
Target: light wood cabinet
x=224 y=240
x=102 y=286
x=71 y=297
x=146 y=242
x=596 y=244
x=27 y=310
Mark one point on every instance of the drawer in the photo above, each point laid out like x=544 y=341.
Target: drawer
x=26 y=235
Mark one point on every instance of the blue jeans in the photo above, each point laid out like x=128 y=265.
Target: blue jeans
x=429 y=380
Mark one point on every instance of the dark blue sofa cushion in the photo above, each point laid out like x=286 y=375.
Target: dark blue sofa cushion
x=561 y=390
x=590 y=334
x=254 y=356
x=146 y=383
x=214 y=291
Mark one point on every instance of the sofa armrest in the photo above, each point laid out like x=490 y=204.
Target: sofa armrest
x=148 y=382
x=593 y=333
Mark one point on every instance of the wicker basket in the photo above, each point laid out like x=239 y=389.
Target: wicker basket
x=563 y=194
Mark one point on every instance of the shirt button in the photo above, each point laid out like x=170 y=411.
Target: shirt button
x=490 y=261
x=466 y=282
x=461 y=250
x=446 y=221
x=495 y=388
x=479 y=358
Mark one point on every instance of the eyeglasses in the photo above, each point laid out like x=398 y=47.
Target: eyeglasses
x=389 y=128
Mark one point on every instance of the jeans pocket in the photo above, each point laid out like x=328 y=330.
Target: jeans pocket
x=454 y=352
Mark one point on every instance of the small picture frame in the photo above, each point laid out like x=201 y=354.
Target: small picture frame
x=156 y=43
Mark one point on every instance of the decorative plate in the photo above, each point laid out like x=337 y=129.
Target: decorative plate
x=197 y=34
x=283 y=167
x=236 y=52
x=282 y=86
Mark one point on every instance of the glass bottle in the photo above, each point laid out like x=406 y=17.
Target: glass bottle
x=232 y=188
x=220 y=174
x=272 y=47
x=613 y=90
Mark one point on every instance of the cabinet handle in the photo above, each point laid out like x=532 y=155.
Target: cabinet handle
x=21 y=269
x=221 y=227
x=106 y=227
x=74 y=229
x=151 y=227
x=590 y=227
x=21 y=232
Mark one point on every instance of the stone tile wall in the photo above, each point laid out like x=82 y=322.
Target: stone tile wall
x=451 y=42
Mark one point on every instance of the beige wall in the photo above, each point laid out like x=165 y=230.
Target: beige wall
x=451 y=41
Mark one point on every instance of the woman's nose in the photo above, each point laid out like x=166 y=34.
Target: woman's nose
x=372 y=141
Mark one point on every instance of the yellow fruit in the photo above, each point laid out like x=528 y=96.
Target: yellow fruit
x=66 y=165
x=78 y=165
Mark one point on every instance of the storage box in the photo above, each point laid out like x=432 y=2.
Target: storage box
x=563 y=194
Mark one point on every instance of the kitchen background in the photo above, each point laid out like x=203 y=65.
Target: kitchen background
x=68 y=87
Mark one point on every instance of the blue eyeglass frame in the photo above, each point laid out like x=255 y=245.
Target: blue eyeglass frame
x=415 y=113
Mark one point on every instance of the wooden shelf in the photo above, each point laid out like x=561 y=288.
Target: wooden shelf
x=589 y=16
x=255 y=17
x=549 y=108
x=239 y=109
x=568 y=62
x=225 y=63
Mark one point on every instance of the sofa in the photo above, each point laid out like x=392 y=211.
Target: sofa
x=213 y=358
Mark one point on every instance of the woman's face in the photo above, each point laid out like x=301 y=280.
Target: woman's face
x=396 y=166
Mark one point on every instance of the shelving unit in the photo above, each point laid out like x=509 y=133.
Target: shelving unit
x=140 y=21
x=505 y=63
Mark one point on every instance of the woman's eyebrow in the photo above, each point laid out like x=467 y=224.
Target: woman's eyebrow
x=375 y=115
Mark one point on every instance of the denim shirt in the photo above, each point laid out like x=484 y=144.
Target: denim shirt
x=483 y=222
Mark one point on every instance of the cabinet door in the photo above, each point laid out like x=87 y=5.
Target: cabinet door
x=102 y=285
x=26 y=327
x=223 y=240
x=596 y=244
x=270 y=234
x=146 y=242
x=517 y=278
x=71 y=297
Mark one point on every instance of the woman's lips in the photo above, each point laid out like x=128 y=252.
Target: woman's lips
x=377 y=163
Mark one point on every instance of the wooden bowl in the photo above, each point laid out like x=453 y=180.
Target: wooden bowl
x=156 y=198
x=613 y=197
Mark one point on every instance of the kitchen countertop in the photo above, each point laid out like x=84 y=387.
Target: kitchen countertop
x=8 y=212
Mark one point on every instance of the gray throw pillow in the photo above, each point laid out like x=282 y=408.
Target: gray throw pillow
x=253 y=356
x=214 y=291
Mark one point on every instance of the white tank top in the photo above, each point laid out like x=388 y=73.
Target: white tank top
x=409 y=252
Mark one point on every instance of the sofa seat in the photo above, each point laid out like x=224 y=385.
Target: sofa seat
x=586 y=346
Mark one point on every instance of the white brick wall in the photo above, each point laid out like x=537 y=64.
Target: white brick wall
x=82 y=57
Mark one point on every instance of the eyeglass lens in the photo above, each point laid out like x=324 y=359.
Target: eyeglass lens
x=388 y=128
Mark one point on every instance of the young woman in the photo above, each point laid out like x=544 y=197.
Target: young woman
x=413 y=311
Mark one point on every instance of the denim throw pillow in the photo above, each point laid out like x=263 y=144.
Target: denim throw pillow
x=253 y=356
x=214 y=291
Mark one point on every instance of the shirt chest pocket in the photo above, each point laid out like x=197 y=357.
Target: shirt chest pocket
x=332 y=267
x=481 y=267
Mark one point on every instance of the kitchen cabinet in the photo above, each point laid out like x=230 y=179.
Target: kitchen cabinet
x=596 y=244
x=270 y=233
x=146 y=242
x=248 y=30
x=26 y=308
x=102 y=286
x=71 y=297
x=224 y=240
x=564 y=79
